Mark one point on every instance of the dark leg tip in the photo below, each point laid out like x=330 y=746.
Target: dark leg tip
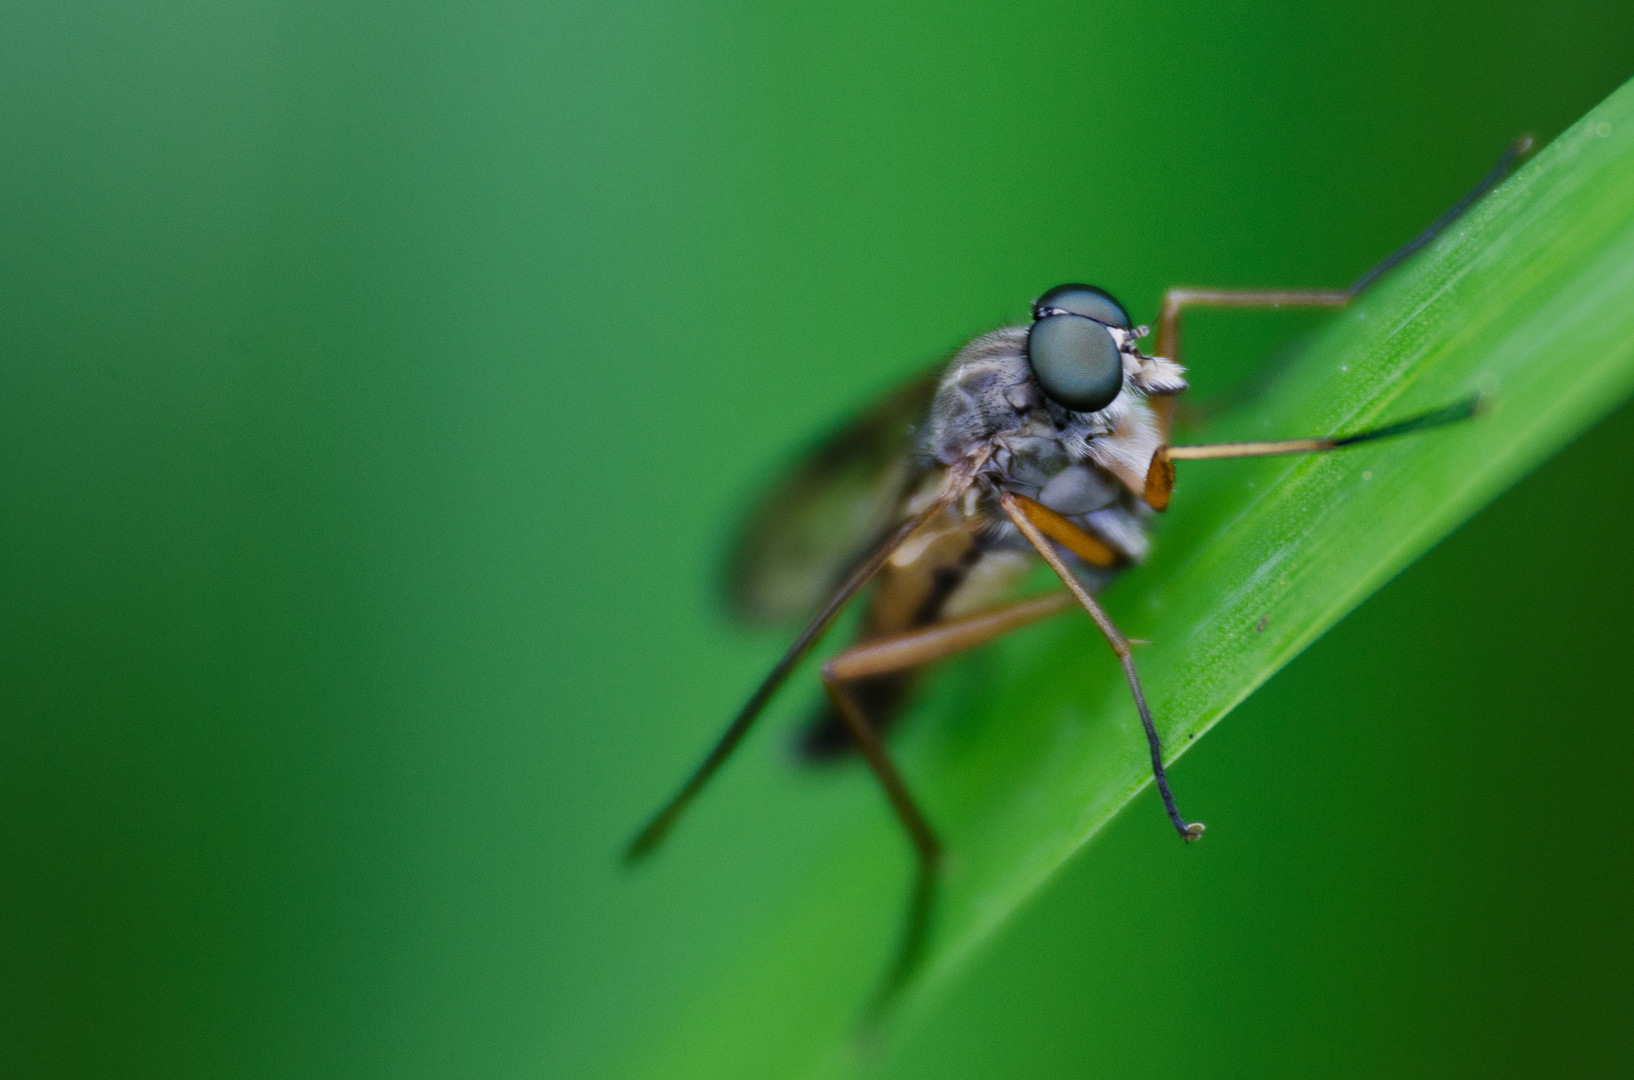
x=648 y=839
x=1191 y=832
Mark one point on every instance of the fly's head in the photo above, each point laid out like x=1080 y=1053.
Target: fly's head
x=1081 y=350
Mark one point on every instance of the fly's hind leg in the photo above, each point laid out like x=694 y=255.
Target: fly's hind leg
x=926 y=846
x=899 y=652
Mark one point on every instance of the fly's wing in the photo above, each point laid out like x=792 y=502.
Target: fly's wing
x=807 y=531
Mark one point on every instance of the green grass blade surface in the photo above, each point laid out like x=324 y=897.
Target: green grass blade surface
x=1023 y=756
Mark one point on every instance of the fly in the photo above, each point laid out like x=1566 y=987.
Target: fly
x=1049 y=440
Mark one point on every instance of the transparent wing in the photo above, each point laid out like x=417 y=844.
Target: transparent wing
x=802 y=536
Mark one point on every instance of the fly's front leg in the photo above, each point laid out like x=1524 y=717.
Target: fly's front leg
x=1176 y=301
x=1040 y=525
x=899 y=652
x=1160 y=473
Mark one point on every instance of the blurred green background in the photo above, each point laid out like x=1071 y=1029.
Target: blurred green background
x=379 y=385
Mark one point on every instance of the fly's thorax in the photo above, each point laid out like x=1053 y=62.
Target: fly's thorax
x=1087 y=466
x=985 y=392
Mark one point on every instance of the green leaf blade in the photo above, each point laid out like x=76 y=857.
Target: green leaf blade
x=1530 y=297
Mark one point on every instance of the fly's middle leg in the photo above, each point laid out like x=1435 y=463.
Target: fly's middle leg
x=1041 y=526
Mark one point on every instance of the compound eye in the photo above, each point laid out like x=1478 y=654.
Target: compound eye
x=1076 y=361
x=1085 y=300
